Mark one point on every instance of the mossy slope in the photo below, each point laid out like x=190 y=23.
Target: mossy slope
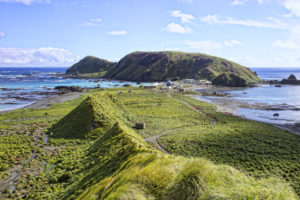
x=99 y=111
x=229 y=80
x=90 y=64
x=161 y=66
x=125 y=167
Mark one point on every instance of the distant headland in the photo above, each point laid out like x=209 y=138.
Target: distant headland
x=166 y=65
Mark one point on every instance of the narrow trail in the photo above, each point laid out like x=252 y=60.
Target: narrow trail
x=154 y=139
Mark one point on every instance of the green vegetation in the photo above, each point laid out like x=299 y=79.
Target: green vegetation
x=90 y=66
x=96 y=111
x=259 y=149
x=168 y=65
x=129 y=169
x=112 y=161
x=13 y=149
x=229 y=80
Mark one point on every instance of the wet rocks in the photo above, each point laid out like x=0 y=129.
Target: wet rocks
x=69 y=88
x=292 y=80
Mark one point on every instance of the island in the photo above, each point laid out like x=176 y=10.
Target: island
x=166 y=65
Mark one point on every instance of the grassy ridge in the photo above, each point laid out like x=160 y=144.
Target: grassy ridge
x=129 y=169
x=120 y=165
x=96 y=111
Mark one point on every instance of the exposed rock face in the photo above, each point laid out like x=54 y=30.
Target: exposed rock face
x=229 y=80
x=291 y=80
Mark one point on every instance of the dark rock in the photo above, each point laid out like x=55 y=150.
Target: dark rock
x=229 y=80
x=69 y=88
x=292 y=77
x=292 y=80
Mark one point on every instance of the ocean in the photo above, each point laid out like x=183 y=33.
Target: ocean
x=20 y=87
x=23 y=86
x=266 y=100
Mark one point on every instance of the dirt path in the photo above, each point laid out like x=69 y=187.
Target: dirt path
x=154 y=139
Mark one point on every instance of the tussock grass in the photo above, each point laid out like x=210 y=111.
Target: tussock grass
x=96 y=111
x=130 y=169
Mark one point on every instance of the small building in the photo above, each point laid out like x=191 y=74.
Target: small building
x=140 y=125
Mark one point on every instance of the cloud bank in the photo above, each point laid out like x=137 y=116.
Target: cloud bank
x=40 y=57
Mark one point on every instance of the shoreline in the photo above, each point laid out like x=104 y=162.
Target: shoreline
x=47 y=101
x=226 y=108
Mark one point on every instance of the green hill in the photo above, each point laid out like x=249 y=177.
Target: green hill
x=89 y=65
x=169 y=65
x=161 y=66
x=95 y=112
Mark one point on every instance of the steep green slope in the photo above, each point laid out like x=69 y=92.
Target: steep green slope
x=229 y=80
x=161 y=66
x=89 y=65
x=96 y=111
x=125 y=167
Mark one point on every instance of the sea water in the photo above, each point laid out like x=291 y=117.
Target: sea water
x=23 y=86
x=287 y=96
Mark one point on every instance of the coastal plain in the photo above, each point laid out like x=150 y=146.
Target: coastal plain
x=187 y=150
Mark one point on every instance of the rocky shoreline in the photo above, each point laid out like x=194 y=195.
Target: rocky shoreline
x=45 y=102
x=231 y=106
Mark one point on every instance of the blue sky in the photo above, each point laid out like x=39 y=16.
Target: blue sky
x=255 y=33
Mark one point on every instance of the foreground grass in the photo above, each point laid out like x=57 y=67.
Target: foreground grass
x=259 y=149
x=120 y=165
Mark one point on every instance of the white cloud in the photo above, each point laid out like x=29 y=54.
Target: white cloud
x=122 y=32
x=284 y=60
x=185 y=1
x=26 y=2
x=93 y=22
x=238 y=2
x=2 y=34
x=260 y=1
x=288 y=44
x=293 y=42
x=205 y=46
x=271 y=23
x=232 y=43
x=185 y=18
x=46 y=56
x=177 y=28
x=293 y=6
